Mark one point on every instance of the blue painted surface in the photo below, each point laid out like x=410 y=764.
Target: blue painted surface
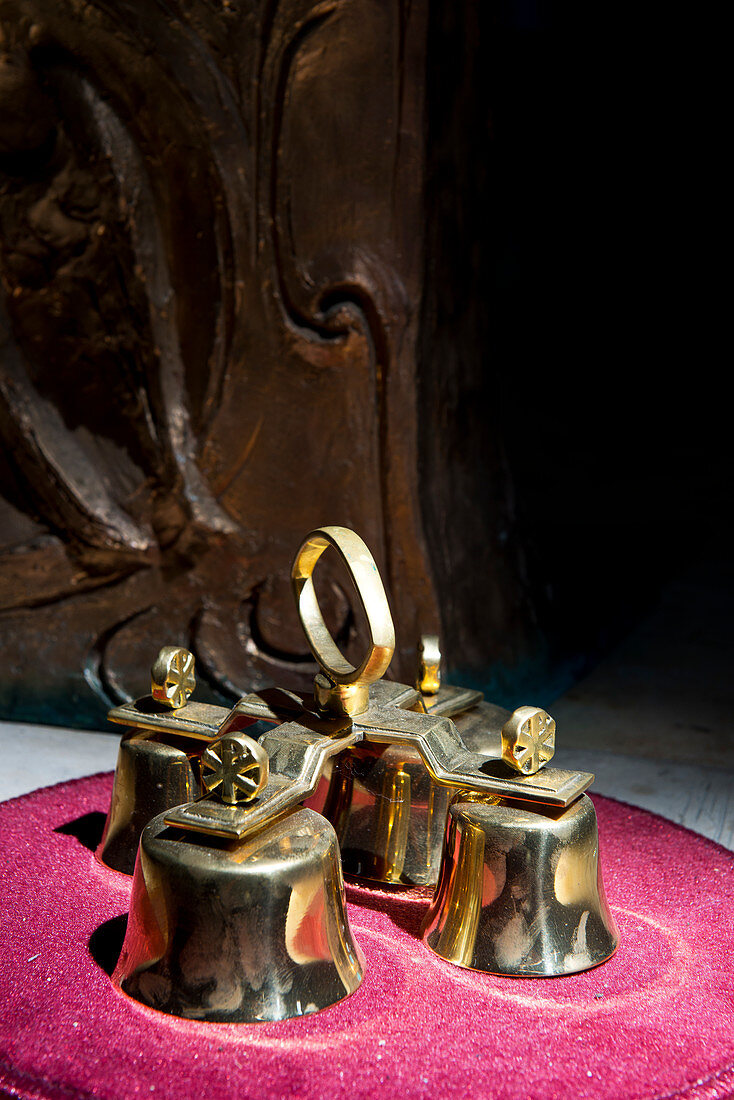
x=531 y=682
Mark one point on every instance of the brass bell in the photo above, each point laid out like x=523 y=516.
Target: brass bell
x=520 y=890
x=155 y=769
x=238 y=930
x=152 y=774
x=388 y=814
x=238 y=910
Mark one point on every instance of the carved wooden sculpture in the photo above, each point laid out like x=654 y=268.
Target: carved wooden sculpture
x=214 y=267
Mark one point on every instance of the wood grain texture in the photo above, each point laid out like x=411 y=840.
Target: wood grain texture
x=217 y=305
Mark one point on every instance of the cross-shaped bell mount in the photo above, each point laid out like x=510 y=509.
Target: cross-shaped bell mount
x=421 y=784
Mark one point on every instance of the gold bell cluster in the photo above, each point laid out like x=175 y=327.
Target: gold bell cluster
x=238 y=844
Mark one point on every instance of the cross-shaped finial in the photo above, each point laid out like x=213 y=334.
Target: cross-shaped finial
x=172 y=678
x=236 y=768
x=528 y=739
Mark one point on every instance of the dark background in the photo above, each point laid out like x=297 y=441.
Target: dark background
x=577 y=159
x=541 y=233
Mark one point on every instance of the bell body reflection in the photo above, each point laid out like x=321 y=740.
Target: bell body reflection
x=151 y=776
x=388 y=814
x=239 y=931
x=520 y=891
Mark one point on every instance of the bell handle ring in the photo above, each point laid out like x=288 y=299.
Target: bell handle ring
x=342 y=688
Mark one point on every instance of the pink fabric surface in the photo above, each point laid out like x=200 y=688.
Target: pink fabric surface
x=655 y=1021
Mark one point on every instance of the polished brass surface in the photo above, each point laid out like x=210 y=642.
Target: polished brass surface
x=297 y=758
x=240 y=932
x=151 y=776
x=480 y=728
x=200 y=721
x=237 y=768
x=340 y=699
x=520 y=890
x=206 y=722
x=276 y=705
x=386 y=693
x=315 y=737
x=528 y=740
x=450 y=701
x=382 y=762
x=388 y=814
x=172 y=678
x=387 y=797
x=429 y=660
x=451 y=763
x=342 y=685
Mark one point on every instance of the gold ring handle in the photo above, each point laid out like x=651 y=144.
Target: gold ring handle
x=346 y=691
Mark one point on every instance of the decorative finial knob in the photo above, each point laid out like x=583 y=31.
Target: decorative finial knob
x=172 y=677
x=528 y=740
x=237 y=768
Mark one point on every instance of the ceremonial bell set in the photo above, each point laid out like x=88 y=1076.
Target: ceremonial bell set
x=238 y=846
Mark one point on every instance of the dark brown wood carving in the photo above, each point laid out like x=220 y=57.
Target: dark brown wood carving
x=213 y=261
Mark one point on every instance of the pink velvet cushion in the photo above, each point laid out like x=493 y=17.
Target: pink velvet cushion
x=655 y=1021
